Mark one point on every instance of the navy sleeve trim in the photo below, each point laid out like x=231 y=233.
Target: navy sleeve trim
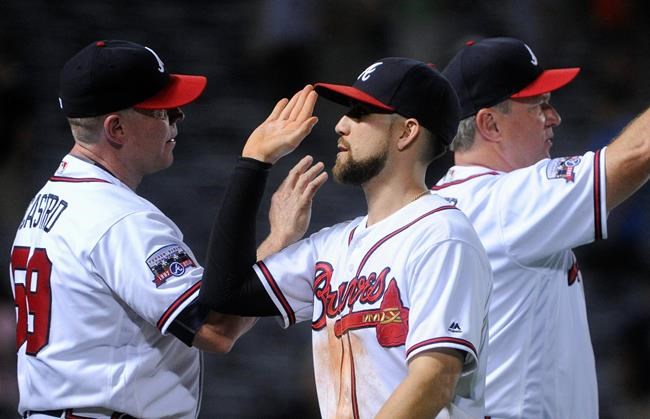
x=188 y=322
x=598 y=222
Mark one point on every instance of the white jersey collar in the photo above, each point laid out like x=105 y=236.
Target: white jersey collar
x=400 y=217
x=456 y=173
x=77 y=169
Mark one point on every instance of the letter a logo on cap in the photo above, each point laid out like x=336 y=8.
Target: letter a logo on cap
x=161 y=66
x=533 y=59
x=365 y=75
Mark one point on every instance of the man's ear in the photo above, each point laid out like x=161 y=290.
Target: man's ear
x=487 y=124
x=114 y=130
x=410 y=130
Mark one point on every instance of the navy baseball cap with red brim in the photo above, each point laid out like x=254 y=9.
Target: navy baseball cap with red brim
x=404 y=86
x=342 y=94
x=548 y=81
x=108 y=76
x=181 y=90
x=492 y=70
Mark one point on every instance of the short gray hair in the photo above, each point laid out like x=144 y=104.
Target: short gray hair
x=86 y=130
x=464 y=139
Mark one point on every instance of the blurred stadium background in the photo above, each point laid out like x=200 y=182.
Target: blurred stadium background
x=256 y=51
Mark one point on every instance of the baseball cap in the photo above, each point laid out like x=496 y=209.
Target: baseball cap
x=111 y=75
x=404 y=86
x=487 y=72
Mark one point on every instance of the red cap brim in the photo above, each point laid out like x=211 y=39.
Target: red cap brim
x=548 y=81
x=181 y=90
x=342 y=94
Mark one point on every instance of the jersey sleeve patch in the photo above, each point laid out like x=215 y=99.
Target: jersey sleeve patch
x=168 y=261
x=563 y=168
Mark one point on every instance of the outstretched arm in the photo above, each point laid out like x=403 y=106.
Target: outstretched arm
x=229 y=282
x=627 y=163
x=289 y=215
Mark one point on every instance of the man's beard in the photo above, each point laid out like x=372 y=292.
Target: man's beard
x=358 y=172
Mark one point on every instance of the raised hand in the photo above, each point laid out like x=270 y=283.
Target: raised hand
x=283 y=131
x=290 y=210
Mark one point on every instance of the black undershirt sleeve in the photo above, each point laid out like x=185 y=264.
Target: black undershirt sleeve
x=188 y=322
x=230 y=285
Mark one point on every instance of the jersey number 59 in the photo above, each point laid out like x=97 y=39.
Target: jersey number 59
x=31 y=277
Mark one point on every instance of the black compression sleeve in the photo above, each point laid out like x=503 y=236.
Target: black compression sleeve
x=186 y=324
x=230 y=284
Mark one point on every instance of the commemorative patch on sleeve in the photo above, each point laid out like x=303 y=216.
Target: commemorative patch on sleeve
x=563 y=168
x=170 y=260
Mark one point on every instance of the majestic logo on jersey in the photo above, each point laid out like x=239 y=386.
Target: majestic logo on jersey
x=365 y=75
x=563 y=168
x=390 y=319
x=170 y=260
x=454 y=327
x=452 y=201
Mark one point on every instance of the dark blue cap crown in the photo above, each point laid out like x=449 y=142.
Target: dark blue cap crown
x=492 y=70
x=404 y=86
x=107 y=76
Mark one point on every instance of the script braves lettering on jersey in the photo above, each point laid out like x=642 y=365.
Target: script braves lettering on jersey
x=378 y=296
x=367 y=291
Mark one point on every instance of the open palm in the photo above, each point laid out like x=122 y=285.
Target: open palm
x=285 y=128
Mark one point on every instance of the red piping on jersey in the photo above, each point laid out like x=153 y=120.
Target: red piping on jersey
x=353 y=384
x=351 y=235
x=70 y=415
x=276 y=290
x=598 y=228
x=399 y=230
x=462 y=342
x=456 y=182
x=180 y=300
x=77 y=179
x=355 y=407
x=573 y=272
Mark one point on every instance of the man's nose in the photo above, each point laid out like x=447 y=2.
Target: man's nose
x=553 y=117
x=342 y=127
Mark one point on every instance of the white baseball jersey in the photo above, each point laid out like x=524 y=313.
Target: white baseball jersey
x=540 y=358
x=98 y=274
x=380 y=295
